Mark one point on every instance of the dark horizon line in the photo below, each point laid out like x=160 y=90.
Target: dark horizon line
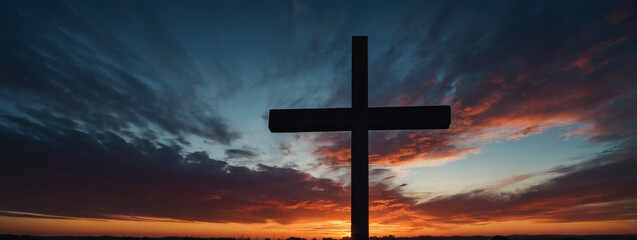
x=387 y=237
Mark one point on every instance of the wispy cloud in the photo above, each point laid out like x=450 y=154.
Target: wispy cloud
x=57 y=67
x=602 y=189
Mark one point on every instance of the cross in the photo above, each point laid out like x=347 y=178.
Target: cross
x=359 y=119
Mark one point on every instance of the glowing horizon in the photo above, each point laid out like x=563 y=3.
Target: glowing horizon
x=334 y=229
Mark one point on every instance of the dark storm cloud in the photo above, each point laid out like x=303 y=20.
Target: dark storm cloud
x=68 y=173
x=82 y=65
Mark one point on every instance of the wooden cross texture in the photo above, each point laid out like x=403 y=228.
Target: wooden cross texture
x=359 y=119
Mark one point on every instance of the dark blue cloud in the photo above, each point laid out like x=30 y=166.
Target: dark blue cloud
x=56 y=64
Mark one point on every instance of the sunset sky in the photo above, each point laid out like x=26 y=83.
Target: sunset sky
x=149 y=118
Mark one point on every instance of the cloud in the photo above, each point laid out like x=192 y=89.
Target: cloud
x=238 y=153
x=29 y=215
x=601 y=189
x=68 y=173
x=62 y=172
x=57 y=67
x=507 y=72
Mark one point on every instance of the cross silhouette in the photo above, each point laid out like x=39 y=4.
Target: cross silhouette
x=359 y=119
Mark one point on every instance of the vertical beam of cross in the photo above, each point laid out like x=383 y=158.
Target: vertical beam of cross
x=359 y=119
x=360 y=176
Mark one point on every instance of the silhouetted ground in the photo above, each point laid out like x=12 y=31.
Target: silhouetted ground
x=390 y=237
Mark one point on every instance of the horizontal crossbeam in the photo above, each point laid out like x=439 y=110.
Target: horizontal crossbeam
x=310 y=120
x=402 y=118
x=343 y=119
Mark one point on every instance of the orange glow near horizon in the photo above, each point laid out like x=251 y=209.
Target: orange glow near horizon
x=335 y=229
